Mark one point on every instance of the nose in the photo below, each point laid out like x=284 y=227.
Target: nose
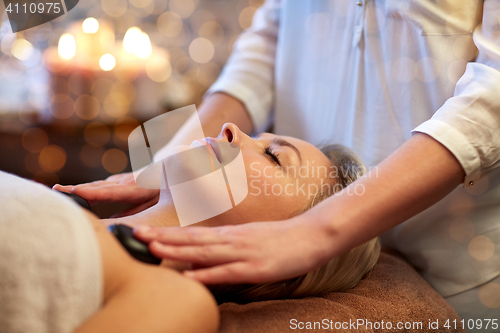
x=231 y=133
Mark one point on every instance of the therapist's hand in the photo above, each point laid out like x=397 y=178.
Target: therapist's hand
x=249 y=253
x=259 y=252
x=116 y=188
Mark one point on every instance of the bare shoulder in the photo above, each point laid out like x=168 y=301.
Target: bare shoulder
x=164 y=299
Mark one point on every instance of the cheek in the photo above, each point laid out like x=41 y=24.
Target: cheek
x=268 y=199
x=255 y=168
x=274 y=198
x=271 y=195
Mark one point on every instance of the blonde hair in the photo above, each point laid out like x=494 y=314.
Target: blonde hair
x=340 y=273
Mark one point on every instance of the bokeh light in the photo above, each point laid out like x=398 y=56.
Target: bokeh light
x=90 y=25
x=201 y=50
x=60 y=86
x=131 y=39
x=52 y=158
x=96 y=134
x=480 y=186
x=158 y=68
x=61 y=106
x=170 y=24
x=199 y=17
x=35 y=139
x=122 y=129
x=461 y=205
x=116 y=104
x=22 y=49
x=461 y=229
x=245 y=17
x=81 y=83
x=114 y=8
x=7 y=41
x=101 y=88
x=160 y=7
x=107 y=62
x=212 y=31
x=143 y=11
x=481 y=248
x=87 y=107
x=114 y=160
x=124 y=87
x=140 y=3
x=489 y=295
x=67 y=46
x=144 y=47
x=136 y=41
x=182 y=7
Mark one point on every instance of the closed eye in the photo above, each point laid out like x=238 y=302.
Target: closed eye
x=274 y=156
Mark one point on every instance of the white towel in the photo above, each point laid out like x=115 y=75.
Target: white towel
x=50 y=264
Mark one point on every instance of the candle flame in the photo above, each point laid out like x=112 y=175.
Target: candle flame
x=137 y=42
x=131 y=39
x=107 y=62
x=90 y=25
x=144 y=48
x=67 y=46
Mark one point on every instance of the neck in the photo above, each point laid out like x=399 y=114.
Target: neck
x=161 y=214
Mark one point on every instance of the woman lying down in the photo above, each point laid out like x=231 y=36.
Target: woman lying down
x=63 y=272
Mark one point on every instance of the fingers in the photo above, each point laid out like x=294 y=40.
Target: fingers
x=111 y=190
x=229 y=274
x=137 y=209
x=183 y=236
x=102 y=190
x=87 y=190
x=205 y=255
x=123 y=178
x=61 y=188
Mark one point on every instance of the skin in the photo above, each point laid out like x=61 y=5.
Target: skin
x=241 y=254
x=339 y=223
x=265 y=175
x=145 y=298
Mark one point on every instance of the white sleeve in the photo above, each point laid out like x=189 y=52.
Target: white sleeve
x=249 y=72
x=468 y=124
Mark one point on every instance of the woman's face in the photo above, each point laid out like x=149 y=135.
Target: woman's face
x=283 y=175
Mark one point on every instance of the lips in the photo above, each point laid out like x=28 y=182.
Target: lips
x=214 y=147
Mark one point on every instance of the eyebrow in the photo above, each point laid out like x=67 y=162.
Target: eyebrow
x=283 y=143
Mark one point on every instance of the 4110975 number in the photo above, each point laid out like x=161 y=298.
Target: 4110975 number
x=52 y=7
x=472 y=324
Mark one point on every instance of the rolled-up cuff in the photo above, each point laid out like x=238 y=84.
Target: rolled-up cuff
x=457 y=144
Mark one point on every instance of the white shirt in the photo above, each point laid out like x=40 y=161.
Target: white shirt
x=366 y=74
